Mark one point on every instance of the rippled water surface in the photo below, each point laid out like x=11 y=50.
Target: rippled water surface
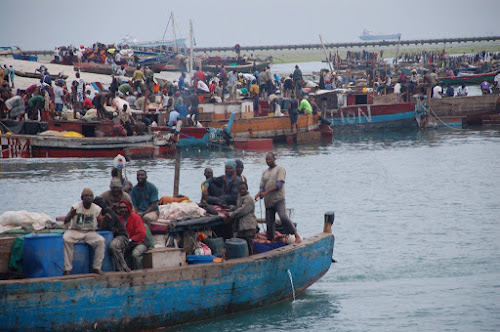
x=417 y=225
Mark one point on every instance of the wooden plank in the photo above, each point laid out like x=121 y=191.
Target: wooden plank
x=6 y=244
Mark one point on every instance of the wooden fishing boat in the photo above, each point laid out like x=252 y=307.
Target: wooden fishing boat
x=469 y=78
x=239 y=120
x=472 y=108
x=350 y=110
x=100 y=68
x=40 y=146
x=6 y=50
x=25 y=57
x=214 y=64
x=165 y=297
x=38 y=75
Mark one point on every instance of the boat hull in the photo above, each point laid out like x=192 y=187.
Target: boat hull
x=163 y=297
x=39 y=146
x=468 y=79
x=375 y=116
x=275 y=127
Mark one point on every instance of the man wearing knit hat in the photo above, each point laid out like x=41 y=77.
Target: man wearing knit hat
x=228 y=183
x=83 y=219
x=115 y=194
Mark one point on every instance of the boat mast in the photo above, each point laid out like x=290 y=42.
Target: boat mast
x=191 y=54
x=173 y=29
x=326 y=55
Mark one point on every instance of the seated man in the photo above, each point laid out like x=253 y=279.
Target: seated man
x=115 y=194
x=228 y=184
x=206 y=189
x=245 y=222
x=83 y=217
x=111 y=222
x=138 y=243
x=145 y=198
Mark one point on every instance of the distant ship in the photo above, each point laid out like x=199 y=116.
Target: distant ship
x=368 y=35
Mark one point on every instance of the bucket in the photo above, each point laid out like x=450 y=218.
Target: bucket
x=215 y=244
x=81 y=258
x=236 y=248
x=43 y=255
x=107 y=263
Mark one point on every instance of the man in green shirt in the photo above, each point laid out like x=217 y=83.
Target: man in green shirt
x=305 y=107
x=36 y=103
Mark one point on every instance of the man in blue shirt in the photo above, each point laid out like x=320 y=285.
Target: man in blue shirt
x=145 y=198
x=173 y=118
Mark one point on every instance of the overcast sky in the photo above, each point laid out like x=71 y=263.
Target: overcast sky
x=42 y=25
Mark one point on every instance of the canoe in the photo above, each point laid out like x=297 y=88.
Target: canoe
x=469 y=79
x=40 y=146
x=165 y=297
x=39 y=76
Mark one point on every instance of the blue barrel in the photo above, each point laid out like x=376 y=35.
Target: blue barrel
x=182 y=109
x=43 y=255
x=236 y=248
x=107 y=263
x=215 y=244
x=81 y=258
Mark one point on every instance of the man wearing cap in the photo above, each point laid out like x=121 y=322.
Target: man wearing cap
x=145 y=198
x=115 y=194
x=83 y=219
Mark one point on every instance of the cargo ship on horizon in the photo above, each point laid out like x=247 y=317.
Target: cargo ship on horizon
x=369 y=35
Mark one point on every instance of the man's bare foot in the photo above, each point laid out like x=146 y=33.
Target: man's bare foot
x=97 y=271
x=66 y=273
x=127 y=269
x=298 y=239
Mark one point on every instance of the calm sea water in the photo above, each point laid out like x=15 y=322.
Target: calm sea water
x=417 y=225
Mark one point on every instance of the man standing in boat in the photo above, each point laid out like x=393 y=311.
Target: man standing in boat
x=83 y=219
x=297 y=80
x=272 y=190
x=145 y=198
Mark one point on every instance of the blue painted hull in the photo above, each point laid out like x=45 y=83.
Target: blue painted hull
x=371 y=117
x=163 y=297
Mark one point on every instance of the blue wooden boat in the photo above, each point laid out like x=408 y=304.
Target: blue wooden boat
x=351 y=110
x=25 y=57
x=165 y=297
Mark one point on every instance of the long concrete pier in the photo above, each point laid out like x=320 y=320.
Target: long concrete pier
x=375 y=43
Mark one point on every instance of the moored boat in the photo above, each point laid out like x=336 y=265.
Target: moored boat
x=469 y=78
x=165 y=297
x=239 y=119
x=348 y=110
x=38 y=75
x=214 y=64
x=40 y=146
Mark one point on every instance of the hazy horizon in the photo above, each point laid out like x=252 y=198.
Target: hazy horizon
x=225 y=23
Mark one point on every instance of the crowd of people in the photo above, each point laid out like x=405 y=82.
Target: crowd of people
x=128 y=212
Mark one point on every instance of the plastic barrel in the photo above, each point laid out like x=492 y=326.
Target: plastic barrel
x=81 y=258
x=43 y=255
x=107 y=263
x=236 y=248
x=215 y=244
